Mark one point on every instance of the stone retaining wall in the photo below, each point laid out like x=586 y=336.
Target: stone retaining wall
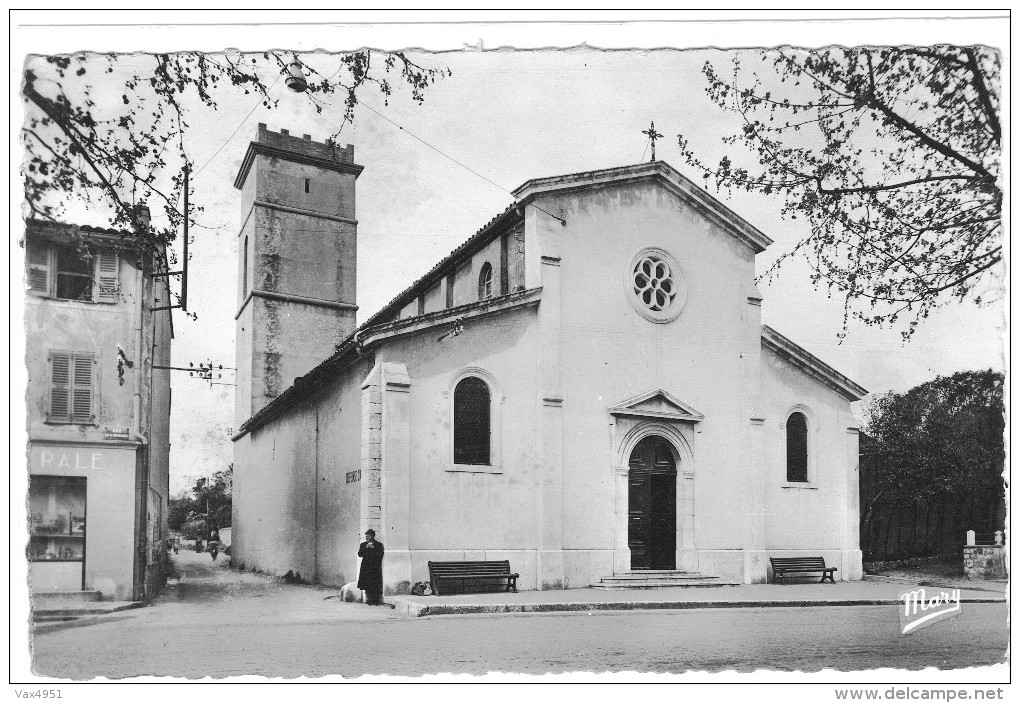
x=985 y=562
x=871 y=567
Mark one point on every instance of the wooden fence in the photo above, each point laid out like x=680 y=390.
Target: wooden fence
x=925 y=528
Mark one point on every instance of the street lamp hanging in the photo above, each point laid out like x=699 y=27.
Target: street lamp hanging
x=296 y=77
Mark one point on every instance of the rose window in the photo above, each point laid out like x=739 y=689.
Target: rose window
x=653 y=283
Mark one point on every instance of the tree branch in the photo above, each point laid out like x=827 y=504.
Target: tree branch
x=46 y=105
x=983 y=96
x=890 y=186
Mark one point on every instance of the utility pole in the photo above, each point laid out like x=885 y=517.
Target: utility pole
x=187 y=217
x=183 y=273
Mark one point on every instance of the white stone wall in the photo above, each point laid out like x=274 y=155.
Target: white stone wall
x=820 y=517
x=451 y=512
x=611 y=353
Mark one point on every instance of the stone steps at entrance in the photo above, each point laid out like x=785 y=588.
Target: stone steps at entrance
x=649 y=574
x=86 y=596
x=648 y=579
x=649 y=585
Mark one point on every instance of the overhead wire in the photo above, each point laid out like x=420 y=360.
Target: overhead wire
x=468 y=168
x=445 y=155
x=238 y=128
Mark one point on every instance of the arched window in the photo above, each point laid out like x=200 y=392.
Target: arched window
x=485 y=282
x=796 y=448
x=471 y=422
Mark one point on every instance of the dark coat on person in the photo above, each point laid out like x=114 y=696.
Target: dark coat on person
x=370 y=576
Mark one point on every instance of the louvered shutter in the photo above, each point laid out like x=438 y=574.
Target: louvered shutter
x=108 y=287
x=81 y=402
x=60 y=386
x=37 y=256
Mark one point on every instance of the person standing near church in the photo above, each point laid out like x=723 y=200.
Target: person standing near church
x=370 y=577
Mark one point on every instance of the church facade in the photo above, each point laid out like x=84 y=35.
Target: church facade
x=584 y=388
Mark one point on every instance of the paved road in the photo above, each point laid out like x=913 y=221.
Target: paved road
x=215 y=622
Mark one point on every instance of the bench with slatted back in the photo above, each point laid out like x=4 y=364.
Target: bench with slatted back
x=442 y=572
x=793 y=566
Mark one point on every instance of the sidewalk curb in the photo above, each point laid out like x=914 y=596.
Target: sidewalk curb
x=418 y=610
x=81 y=620
x=970 y=586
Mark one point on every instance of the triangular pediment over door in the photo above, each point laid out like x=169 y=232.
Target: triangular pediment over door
x=657 y=404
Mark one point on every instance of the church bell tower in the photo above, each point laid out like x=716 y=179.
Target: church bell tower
x=297 y=256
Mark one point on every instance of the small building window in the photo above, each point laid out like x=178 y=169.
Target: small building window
x=485 y=282
x=308 y=185
x=71 y=387
x=63 y=272
x=796 y=448
x=74 y=275
x=471 y=422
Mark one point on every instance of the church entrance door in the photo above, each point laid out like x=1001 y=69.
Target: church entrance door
x=651 y=530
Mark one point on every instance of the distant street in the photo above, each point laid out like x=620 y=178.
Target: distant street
x=216 y=622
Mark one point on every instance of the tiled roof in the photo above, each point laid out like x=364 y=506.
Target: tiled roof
x=85 y=229
x=477 y=240
x=343 y=354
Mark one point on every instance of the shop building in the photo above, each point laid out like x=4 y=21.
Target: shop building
x=98 y=412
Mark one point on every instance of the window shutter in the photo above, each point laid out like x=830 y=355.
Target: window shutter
x=81 y=408
x=60 y=386
x=108 y=289
x=37 y=257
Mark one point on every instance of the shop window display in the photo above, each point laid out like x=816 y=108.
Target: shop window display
x=57 y=518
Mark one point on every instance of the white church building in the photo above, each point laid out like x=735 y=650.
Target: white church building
x=584 y=387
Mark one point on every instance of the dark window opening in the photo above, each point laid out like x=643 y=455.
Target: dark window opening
x=504 y=264
x=471 y=428
x=308 y=185
x=244 y=275
x=796 y=448
x=74 y=275
x=485 y=282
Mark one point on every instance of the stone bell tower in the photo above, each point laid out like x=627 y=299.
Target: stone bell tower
x=297 y=255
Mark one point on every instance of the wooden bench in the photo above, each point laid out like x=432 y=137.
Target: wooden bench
x=442 y=572
x=791 y=566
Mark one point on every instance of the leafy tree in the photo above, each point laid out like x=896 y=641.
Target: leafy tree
x=207 y=506
x=178 y=510
x=940 y=441
x=110 y=129
x=892 y=156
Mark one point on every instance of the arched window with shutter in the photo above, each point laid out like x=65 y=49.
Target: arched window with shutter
x=796 y=448
x=485 y=282
x=472 y=431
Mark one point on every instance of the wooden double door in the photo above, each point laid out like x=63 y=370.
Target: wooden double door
x=651 y=529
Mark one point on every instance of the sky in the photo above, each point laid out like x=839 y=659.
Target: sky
x=510 y=115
